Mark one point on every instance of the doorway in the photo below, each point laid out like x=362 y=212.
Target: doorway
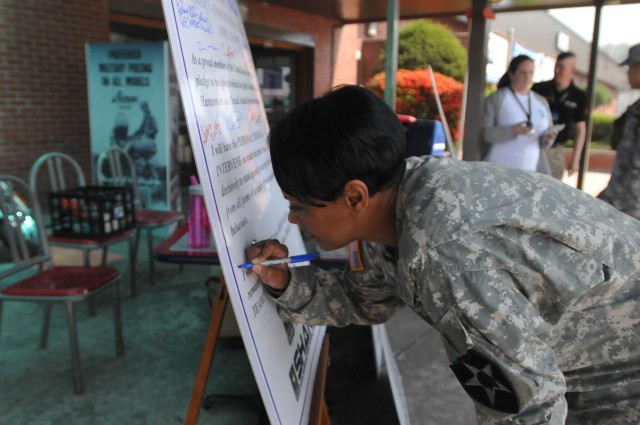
x=283 y=72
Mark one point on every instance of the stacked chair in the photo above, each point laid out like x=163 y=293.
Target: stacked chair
x=116 y=167
x=64 y=172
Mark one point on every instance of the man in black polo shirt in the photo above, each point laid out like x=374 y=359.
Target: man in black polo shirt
x=568 y=106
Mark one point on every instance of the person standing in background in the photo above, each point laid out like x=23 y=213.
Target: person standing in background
x=623 y=191
x=568 y=106
x=515 y=121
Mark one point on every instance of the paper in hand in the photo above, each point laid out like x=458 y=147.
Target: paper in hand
x=556 y=128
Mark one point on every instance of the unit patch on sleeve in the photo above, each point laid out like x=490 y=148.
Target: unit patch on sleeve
x=485 y=383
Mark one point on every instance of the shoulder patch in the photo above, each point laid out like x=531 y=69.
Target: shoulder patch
x=355 y=259
x=485 y=383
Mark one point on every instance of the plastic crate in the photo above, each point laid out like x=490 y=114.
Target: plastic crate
x=91 y=211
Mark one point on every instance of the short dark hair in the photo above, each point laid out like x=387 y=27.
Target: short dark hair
x=565 y=55
x=346 y=134
x=505 y=80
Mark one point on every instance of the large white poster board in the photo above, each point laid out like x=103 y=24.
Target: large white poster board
x=228 y=130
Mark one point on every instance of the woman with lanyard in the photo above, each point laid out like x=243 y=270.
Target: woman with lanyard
x=516 y=121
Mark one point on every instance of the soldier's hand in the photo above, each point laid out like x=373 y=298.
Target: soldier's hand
x=276 y=276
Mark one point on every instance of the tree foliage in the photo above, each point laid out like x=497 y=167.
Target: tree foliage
x=423 y=43
x=603 y=94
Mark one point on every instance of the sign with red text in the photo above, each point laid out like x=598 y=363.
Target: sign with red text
x=228 y=130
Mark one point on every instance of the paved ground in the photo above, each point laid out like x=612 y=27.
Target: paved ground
x=593 y=183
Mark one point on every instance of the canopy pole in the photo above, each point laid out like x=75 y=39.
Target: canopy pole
x=476 y=81
x=391 y=57
x=591 y=94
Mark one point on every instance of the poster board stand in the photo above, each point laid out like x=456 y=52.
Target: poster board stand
x=228 y=131
x=318 y=415
x=215 y=324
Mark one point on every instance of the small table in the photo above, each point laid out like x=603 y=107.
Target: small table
x=176 y=249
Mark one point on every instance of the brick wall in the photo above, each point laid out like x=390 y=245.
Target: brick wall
x=348 y=41
x=43 y=88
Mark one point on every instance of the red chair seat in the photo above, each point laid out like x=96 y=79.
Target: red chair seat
x=63 y=281
x=147 y=217
x=82 y=241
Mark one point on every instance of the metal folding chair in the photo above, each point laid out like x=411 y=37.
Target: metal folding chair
x=116 y=167
x=23 y=234
x=63 y=172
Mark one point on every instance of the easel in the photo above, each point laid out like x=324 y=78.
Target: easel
x=319 y=414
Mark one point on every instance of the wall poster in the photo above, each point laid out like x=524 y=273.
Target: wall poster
x=228 y=131
x=128 y=89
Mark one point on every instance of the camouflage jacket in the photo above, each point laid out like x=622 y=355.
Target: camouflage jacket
x=623 y=191
x=528 y=281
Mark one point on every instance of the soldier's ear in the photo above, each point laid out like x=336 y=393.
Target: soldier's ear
x=356 y=195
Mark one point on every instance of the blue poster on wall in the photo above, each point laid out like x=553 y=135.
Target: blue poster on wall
x=128 y=89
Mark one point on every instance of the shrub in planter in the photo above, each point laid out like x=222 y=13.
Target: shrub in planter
x=602 y=128
x=415 y=95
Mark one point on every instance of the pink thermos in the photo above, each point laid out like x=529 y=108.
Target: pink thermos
x=199 y=227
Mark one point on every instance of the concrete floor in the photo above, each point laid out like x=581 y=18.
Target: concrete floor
x=433 y=394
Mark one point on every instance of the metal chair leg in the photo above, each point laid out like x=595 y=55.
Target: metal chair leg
x=136 y=243
x=152 y=270
x=132 y=266
x=86 y=261
x=104 y=256
x=78 y=385
x=90 y=303
x=44 y=332
x=117 y=321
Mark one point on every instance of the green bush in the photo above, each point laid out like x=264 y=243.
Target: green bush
x=423 y=43
x=603 y=94
x=602 y=128
x=601 y=132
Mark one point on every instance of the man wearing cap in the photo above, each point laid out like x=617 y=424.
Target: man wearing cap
x=623 y=191
x=568 y=106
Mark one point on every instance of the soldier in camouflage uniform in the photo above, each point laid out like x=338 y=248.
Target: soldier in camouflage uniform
x=534 y=286
x=623 y=191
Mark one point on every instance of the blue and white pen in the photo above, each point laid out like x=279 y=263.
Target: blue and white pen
x=287 y=260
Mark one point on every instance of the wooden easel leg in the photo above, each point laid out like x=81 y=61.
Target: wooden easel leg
x=319 y=413
x=217 y=313
x=324 y=415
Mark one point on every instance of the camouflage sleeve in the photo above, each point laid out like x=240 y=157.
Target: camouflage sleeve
x=497 y=344
x=339 y=298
